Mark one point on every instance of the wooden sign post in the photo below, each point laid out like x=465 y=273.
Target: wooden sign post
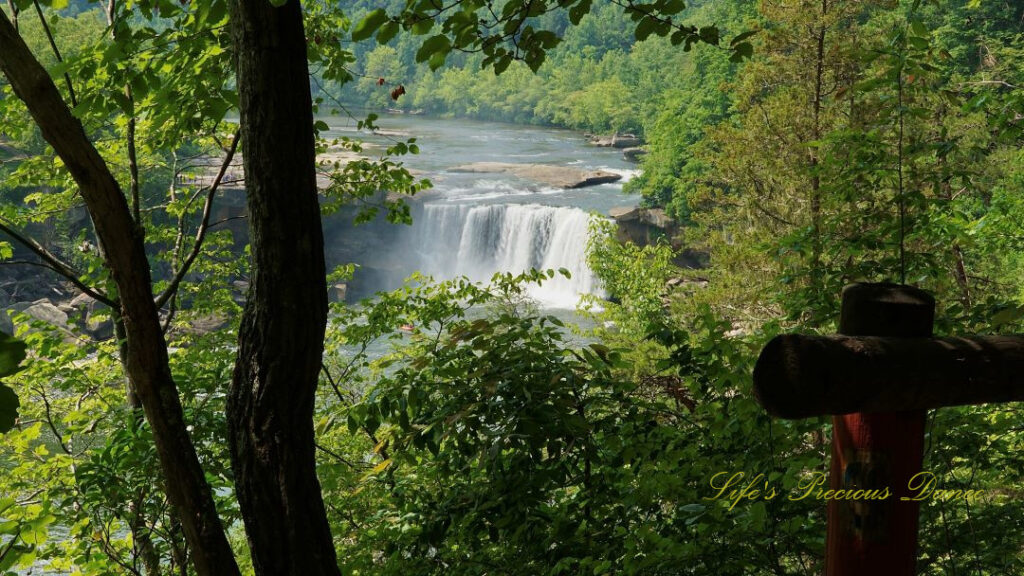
x=877 y=379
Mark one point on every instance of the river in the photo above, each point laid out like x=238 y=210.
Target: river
x=476 y=224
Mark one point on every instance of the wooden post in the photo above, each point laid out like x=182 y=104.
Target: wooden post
x=877 y=380
x=877 y=450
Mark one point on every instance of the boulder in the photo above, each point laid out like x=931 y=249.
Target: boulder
x=239 y=291
x=99 y=326
x=393 y=133
x=633 y=154
x=616 y=141
x=42 y=310
x=625 y=141
x=81 y=301
x=595 y=177
x=658 y=218
x=336 y=292
x=45 y=311
x=6 y=324
x=554 y=176
x=625 y=213
x=8 y=151
x=205 y=324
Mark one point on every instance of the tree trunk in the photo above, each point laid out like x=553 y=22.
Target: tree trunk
x=125 y=255
x=819 y=76
x=280 y=346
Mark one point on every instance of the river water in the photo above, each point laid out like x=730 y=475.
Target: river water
x=475 y=225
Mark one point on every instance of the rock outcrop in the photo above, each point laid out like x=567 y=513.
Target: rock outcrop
x=625 y=213
x=41 y=310
x=554 y=176
x=92 y=316
x=655 y=217
x=633 y=154
x=617 y=141
x=643 y=226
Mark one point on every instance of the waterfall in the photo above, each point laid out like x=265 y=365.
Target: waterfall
x=479 y=240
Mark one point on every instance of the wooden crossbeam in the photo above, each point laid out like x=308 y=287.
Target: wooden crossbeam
x=800 y=376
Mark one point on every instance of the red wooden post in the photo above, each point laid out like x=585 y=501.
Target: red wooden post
x=877 y=450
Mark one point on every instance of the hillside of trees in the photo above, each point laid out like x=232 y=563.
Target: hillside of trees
x=202 y=408
x=598 y=79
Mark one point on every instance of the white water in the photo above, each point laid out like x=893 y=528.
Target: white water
x=477 y=225
x=480 y=240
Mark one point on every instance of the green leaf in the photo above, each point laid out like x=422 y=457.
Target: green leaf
x=387 y=32
x=422 y=27
x=919 y=28
x=12 y=352
x=369 y=24
x=8 y=408
x=436 y=60
x=709 y=35
x=918 y=43
x=579 y=10
x=1008 y=315
x=438 y=44
x=672 y=7
x=645 y=28
x=741 y=51
x=741 y=37
x=123 y=102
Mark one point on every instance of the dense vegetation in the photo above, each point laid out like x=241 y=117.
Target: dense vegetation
x=860 y=141
x=598 y=79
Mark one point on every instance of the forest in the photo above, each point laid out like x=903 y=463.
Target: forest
x=263 y=313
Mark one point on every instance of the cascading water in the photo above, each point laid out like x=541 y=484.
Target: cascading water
x=478 y=241
x=478 y=224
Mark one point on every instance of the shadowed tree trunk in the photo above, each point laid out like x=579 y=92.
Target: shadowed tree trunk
x=280 y=347
x=125 y=255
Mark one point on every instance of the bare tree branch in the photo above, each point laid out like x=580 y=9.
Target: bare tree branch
x=56 y=51
x=204 y=226
x=57 y=265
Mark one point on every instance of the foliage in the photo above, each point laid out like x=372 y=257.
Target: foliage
x=634 y=278
x=599 y=78
x=488 y=441
x=80 y=469
x=888 y=169
x=152 y=86
x=522 y=31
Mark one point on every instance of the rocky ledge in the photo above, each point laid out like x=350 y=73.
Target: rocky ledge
x=650 y=216
x=555 y=176
x=616 y=140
